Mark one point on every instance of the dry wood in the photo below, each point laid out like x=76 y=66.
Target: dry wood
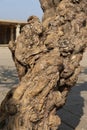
x=47 y=57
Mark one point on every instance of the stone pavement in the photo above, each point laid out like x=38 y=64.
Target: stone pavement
x=8 y=74
x=73 y=114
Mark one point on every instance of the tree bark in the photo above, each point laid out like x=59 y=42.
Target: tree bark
x=47 y=57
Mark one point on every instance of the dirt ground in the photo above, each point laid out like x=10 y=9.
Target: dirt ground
x=73 y=114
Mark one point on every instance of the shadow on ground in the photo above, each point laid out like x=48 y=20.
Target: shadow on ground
x=8 y=76
x=71 y=114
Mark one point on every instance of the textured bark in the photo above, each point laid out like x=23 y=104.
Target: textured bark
x=47 y=57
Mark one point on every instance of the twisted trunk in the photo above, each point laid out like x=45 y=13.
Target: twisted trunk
x=47 y=57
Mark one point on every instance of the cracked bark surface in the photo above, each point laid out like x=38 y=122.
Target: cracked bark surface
x=47 y=56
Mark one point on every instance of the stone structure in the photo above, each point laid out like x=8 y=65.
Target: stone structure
x=47 y=57
x=9 y=30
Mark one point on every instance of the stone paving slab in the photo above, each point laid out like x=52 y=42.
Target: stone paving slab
x=69 y=118
x=8 y=73
x=5 y=57
x=65 y=127
x=8 y=79
x=74 y=113
x=82 y=124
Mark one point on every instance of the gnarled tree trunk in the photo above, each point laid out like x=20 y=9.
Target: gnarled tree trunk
x=47 y=57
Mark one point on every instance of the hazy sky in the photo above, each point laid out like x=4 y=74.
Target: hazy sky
x=19 y=9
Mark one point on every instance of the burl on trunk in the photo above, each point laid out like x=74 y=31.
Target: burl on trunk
x=47 y=56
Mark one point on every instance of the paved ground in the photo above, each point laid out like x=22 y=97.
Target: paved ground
x=8 y=74
x=73 y=114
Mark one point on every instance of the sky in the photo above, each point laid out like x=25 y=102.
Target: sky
x=19 y=9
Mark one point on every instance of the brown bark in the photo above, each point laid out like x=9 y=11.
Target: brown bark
x=47 y=57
